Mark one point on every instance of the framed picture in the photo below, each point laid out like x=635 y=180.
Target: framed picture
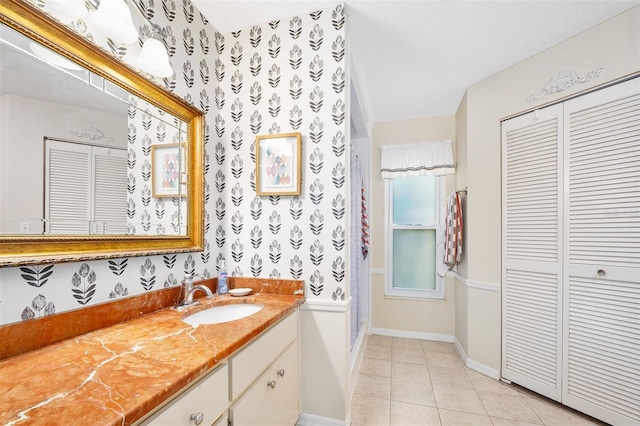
x=168 y=173
x=278 y=164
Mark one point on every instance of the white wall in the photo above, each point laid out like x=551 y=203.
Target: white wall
x=614 y=46
x=25 y=124
x=392 y=315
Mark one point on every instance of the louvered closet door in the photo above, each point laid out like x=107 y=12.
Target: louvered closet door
x=602 y=253
x=68 y=181
x=110 y=190
x=531 y=208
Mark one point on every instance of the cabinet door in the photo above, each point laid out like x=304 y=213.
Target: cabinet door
x=602 y=254
x=273 y=399
x=531 y=254
x=201 y=404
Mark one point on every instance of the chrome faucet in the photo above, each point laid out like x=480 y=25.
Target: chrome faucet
x=189 y=290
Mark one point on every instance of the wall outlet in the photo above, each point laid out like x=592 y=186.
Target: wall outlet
x=25 y=227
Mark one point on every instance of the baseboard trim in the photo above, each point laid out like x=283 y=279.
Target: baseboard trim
x=313 y=420
x=460 y=350
x=412 y=334
x=475 y=365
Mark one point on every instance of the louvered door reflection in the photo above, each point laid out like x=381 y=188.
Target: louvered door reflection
x=601 y=365
x=68 y=182
x=110 y=191
x=86 y=189
x=531 y=343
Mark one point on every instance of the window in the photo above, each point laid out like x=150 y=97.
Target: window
x=413 y=231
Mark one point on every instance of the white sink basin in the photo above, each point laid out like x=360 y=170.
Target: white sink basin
x=224 y=313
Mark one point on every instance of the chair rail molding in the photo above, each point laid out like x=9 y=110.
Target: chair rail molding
x=325 y=305
x=482 y=285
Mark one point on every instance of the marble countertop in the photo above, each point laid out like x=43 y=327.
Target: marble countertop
x=116 y=375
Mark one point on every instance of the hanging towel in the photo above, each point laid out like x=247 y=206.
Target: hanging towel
x=365 y=223
x=453 y=231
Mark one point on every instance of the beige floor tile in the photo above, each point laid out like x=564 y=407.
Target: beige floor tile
x=407 y=355
x=444 y=347
x=404 y=343
x=374 y=386
x=376 y=340
x=458 y=399
x=511 y=407
x=453 y=376
x=497 y=421
x=458 y=418
x=552 y=414
x=483 y=383
x=412 y=392
x=444 y=359
x=403 y=414
x=402 y=381
x=410 y=371
x=375 y=367
x=369 y=411
x=379 y=352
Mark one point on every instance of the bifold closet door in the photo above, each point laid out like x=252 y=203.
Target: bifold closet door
x=601 y=365
x=531 y=254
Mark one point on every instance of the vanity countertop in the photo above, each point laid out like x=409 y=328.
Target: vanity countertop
x=116 y=375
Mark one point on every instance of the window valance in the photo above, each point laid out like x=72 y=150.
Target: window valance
x=415 y=159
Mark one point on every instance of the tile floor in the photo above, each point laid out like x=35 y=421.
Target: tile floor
x=413 y=382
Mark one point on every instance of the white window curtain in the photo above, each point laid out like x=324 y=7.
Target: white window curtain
x=415 y=159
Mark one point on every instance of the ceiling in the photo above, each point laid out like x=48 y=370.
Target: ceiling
x=415 y=59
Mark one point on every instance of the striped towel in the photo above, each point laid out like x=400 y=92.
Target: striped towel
x=365 y=224
x=453 y=232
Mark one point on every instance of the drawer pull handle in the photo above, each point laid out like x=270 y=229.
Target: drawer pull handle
x=197 y=418
x=272 y=384
x=602 y=272
x=281 y=372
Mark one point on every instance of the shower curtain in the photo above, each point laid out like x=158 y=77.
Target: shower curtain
x=355 y=246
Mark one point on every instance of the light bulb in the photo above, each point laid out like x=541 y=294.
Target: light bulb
x=113 y=20
x=154 y=58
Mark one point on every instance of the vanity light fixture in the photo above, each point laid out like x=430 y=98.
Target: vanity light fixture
x=113 y=19
x=153 y=57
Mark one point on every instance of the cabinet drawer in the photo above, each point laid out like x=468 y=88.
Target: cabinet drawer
x=273 y=398
x=209 y=396
x=255 y=358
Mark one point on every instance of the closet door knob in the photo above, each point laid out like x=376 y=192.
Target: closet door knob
x=271 y=384
x=602 y=272
x=281 y=372
x=197 y=418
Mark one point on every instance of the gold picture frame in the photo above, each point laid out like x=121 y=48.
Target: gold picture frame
x=168 y=175
x=279 y=164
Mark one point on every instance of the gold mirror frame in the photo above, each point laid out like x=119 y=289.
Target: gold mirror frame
x=29 y=250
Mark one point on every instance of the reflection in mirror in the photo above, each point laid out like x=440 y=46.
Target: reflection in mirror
x=96 y=161
x=79 y=149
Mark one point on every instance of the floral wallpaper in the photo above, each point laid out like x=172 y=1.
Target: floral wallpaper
x=279 y=77
x=282 y=77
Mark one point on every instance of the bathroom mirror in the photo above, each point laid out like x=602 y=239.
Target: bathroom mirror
x=96 y=161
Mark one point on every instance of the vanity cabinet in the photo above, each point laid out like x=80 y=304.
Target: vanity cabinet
x=201 y=404
x=273 y=398
x=258 y=385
